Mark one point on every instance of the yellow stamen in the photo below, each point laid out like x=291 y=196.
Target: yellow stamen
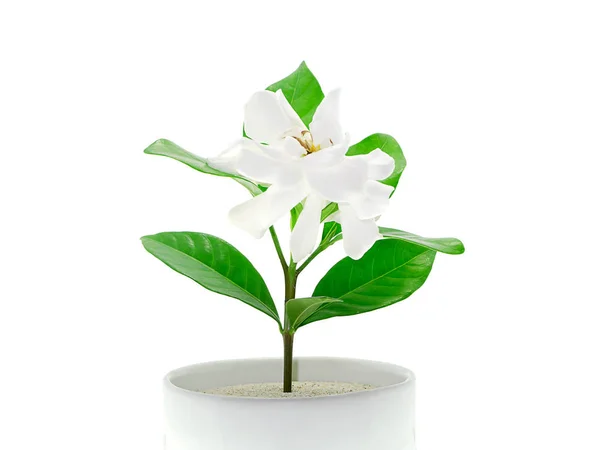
x=306 y=141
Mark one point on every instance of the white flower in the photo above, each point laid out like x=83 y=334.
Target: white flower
x=310 y=166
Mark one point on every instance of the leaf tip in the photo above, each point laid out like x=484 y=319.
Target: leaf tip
x=460 y=247
x=151 y=149
x=145 y=240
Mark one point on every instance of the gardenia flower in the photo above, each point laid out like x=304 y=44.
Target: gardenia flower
x=308 y=165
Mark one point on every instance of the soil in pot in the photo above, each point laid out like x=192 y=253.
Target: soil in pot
x=300 y=389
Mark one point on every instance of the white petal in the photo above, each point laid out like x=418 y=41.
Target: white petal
x=292 y=148
x=338 y=183
x=330 y=156
x=376 y=190
x=325 y=126
x=297 y=124
x=227 y=161
x=259 y=167
x=267 y=119
x=278 y=152
x=306 y=232
x=259 y=213
x=373 y=201
x=335 y=217
x=359 y=235
x=267 y=165
x=381 y=165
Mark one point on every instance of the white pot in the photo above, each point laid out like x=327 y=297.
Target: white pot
x=377 y=419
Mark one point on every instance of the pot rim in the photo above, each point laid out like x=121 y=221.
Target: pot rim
x=409 y=378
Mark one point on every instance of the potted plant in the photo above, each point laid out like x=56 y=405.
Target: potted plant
x=294 y=158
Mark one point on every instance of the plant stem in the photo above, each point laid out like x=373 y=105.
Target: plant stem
x=282 y=260
x=291 y=277
x=311 y=257
x=288 y=359
x=290 y=273
x=329 y=240
x=278 y=249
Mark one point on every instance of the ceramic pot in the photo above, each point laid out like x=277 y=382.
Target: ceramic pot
x=377 y=419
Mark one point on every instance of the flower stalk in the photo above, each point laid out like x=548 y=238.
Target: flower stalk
x=290 y=277
x=288 y=334
x=291 y=272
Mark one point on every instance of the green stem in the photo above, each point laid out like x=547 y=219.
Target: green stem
x=291 y=278
x=282 y=260
x=291 y=273
x=326 y=244
x=288 y=359
x=278 y=249
x=312 y=256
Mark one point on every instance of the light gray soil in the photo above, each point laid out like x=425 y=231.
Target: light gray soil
x=300 y=389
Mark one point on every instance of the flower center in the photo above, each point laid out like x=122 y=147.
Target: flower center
x=306 y=141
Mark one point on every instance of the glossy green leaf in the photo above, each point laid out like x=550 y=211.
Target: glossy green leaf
x=214 y=264
x=164 y=147
x=451 y=246
x=299 y=310
x=295 y=214
x=302 y=90
x=388 y=273
x=388 y=145
x=330 y=230
x=330 y=209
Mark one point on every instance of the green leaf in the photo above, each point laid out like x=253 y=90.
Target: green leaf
x=388 y=145
x=298 y=310
x=451 y=246
x=302 y=90
x=330 y=230
x=330 y=209
x=295 y=214
x=388 y=273
x=164 y=147
x=214 y=264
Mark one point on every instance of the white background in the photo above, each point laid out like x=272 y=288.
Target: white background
x=496 y=105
